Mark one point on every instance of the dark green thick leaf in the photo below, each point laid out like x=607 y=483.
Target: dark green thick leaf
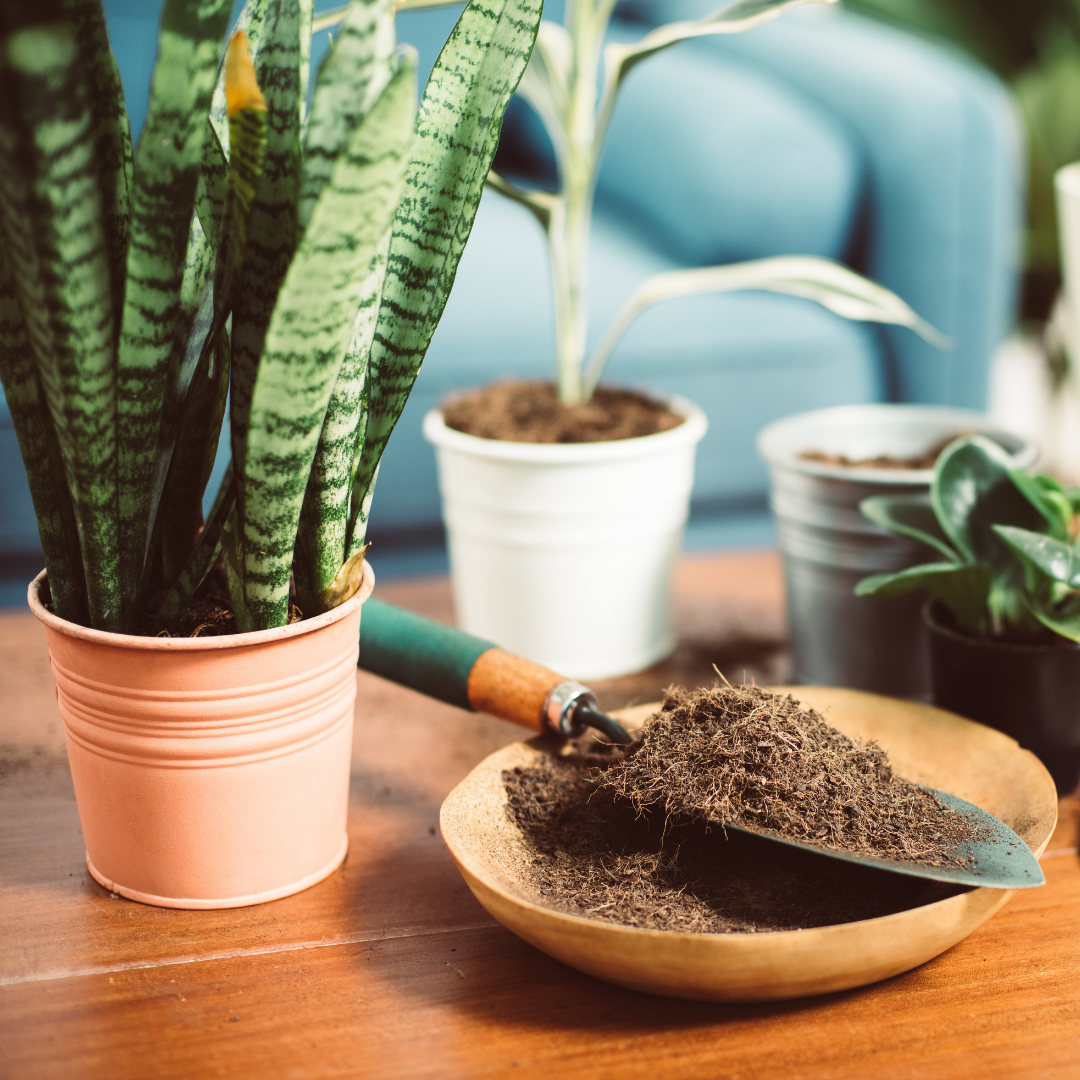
x=41 y=458
x=972 y=491
x=202 y=559
x=1048 y=497
x=1057 y=560
x=167 y=166
x=457 y=133
x=193 y=457
x=1063 y=618
x=51 y=218
x=911 y=517
x=310 y=330
x=275 y=29
x=963 y=589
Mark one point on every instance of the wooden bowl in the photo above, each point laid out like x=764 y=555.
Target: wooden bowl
x=925 y=744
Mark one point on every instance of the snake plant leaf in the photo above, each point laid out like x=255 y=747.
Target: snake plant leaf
x=274 y=29
x=973 y=490
x=349 y=81
x=41 y=458
x=457 y=133
x=192 y=460
x=112 y=134
x=621 y=58
x=963 y=589
x=1058 y=561
x=167 y=164
x=308 y=335
x=828 y=283
x=911 y=517
x=322 y=543
x=201 y=561
x=51 y=218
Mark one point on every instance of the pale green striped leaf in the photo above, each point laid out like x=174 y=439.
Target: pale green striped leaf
x=350 y=80
x=310 y=329
x=457 y=133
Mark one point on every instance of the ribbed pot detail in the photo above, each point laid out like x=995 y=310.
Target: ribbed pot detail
x=210 y=772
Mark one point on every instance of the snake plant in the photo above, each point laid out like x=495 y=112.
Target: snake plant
x=1007 y=559
x=287 y=269
x=572 y=82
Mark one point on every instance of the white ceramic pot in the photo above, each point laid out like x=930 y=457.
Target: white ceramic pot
x=563 y=553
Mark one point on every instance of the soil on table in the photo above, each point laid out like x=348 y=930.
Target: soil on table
x=519 y=410
x=926 y=460
x=627 y=836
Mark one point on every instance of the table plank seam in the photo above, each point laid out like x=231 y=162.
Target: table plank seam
x=234 y=954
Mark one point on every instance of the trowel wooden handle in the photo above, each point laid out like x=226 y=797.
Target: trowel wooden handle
x=455 y=667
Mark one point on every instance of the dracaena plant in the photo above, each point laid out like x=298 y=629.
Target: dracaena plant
x=1008 y=561
x=295 y=266
x=572 y=82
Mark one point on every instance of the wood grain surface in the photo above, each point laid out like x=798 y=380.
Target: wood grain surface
x=390 y=969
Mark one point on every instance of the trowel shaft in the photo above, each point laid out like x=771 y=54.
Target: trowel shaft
x=455 y=667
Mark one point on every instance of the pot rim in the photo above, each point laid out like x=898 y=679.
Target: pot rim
x=884 y=412
x=200 y=644
x=691 y=431
x=936 y=626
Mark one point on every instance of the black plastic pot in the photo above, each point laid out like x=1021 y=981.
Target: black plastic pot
x=1031 y=692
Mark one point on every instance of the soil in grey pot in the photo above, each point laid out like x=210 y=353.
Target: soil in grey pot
x=1031 y=692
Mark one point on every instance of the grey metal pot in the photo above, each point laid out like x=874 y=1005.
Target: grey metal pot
x=837 y=638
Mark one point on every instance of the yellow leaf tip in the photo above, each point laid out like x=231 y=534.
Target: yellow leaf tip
x=241 y=88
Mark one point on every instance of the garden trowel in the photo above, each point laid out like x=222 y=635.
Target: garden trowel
x=471 y=673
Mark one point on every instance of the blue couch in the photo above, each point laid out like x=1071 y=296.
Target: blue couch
x=822 y=133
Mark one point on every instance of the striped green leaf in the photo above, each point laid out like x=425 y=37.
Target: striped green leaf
x=41 y=457
x=200 y=385
x=167 y=165
x=201 y=561
x=51 y=216
x=275 y=29
x=323 y=537
x=193 y=455
x=310 y=330
x=112 y=135
x=350 y=80
x=457 y=133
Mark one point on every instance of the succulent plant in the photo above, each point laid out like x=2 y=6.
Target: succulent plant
x=293 y=267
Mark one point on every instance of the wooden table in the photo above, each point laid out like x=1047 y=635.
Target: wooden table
x=391 y=969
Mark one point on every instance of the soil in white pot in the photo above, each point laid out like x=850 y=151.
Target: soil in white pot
x=522 y=410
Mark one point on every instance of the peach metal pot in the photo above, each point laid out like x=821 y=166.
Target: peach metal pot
x=210 y=772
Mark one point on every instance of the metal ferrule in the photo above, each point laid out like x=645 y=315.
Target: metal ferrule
x=561 y=704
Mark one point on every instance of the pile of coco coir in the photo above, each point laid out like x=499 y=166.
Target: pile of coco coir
x=629 y=835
